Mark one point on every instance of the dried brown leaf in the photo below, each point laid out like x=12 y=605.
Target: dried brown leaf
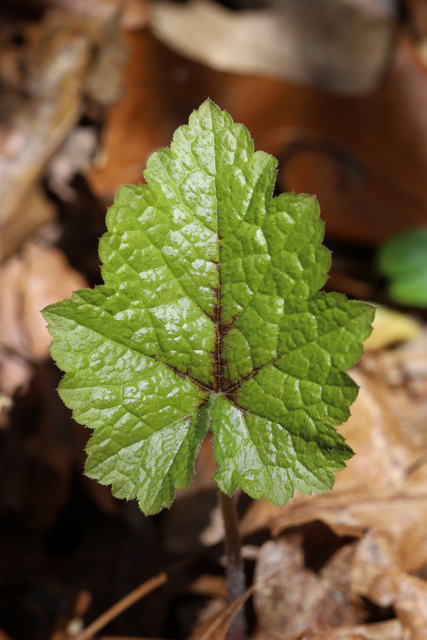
x=143 y=120
x=378 y=179
x=291 y=599
x=104 y=83
x=417 y=10
x=288 y=594
x=370 y=573
x=390 y=630
x=316 y=42
x=378 y=575
x=37 y=276
x=72 y=157
x=410 y=603
x=58 y=56
x=26 y=221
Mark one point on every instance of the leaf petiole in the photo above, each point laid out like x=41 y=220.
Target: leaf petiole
x=235 y=575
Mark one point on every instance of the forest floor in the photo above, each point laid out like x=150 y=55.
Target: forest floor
x=87 y=93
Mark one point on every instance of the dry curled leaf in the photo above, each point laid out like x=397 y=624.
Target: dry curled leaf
x=36 y=212
x=417 y=10
x=389 y=630
x=370 y=573
x=38 y=275
x=378 y=575
x=72 y=157
x=58 y=54
x=312 y=132
x=291 y=599
x=316 y=42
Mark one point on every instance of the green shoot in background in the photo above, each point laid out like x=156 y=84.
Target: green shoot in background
x=402 y=259
x=210 y=319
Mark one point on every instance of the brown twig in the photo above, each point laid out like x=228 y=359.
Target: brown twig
x=122 y=605
x=140 y=592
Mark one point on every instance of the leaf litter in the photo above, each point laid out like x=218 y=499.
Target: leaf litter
x=367 y=556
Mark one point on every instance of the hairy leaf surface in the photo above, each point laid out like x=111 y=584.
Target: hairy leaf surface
x=210 y=318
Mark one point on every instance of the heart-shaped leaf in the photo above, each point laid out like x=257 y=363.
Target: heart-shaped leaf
x=210 y=317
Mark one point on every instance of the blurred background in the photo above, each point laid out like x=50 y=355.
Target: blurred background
x=336 y=90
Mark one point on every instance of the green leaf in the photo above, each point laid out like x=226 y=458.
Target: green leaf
x=403 y=260
x=210 y=317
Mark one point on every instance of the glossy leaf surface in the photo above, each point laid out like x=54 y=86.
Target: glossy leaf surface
x=210 y=317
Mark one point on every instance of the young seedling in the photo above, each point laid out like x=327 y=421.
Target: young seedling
x=210 y=319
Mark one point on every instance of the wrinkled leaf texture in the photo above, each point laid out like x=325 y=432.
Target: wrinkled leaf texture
x=210 y=318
